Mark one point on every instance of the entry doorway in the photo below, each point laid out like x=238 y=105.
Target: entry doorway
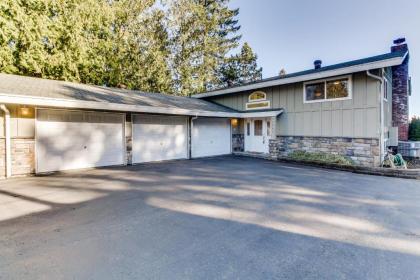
x=257 y=135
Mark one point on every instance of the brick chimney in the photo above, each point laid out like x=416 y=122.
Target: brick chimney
x=400 y=91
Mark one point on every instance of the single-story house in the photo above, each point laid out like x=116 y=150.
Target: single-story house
x=356 y=109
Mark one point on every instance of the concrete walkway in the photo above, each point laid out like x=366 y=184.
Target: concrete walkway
x=220 y=218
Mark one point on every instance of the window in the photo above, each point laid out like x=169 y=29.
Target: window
x=257 y=100
x=248 y=129
x=258 y=124
x=315 y=92
x=327 y=90
x=268 y=128
x=257 y=96
x=386 y=89
x=257 y=105
x=337 y=89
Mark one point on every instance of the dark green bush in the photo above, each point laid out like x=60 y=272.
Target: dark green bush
x=321 y=157
x=414 y=130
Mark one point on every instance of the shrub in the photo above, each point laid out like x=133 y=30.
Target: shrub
x=414 y=129
x=321 y=157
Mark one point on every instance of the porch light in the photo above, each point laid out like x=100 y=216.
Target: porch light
x=234 y=122
x=24 y=111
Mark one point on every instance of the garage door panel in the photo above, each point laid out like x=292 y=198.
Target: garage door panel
x=67 y=140
x=211 y=137
x=157 y=138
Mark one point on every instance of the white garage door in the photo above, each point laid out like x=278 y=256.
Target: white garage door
x=211 y=137
x=157 y=138
x=78 y=139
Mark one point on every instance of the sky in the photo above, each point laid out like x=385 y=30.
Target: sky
x=291 y=34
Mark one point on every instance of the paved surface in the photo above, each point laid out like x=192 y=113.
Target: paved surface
x=220 y=218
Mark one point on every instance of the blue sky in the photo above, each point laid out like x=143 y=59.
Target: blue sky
x=291 y=34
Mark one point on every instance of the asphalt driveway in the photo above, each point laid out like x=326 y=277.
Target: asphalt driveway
x=220 y=218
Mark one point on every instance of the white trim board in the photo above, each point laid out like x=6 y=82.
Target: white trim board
x=76 y=104
x=92 y=105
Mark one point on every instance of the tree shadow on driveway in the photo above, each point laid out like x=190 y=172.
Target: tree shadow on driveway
x=225 y=217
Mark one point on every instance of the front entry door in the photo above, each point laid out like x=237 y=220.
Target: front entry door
x=257 y=135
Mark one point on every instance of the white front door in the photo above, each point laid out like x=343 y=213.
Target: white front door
x=257 y=135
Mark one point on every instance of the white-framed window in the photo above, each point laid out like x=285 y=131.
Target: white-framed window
x=257 y=96
x=338 y=88
x=386 y=89
x=257 y=100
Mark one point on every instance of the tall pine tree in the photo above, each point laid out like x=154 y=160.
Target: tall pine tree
x=239 y=69
x=202 y=33
x=137 y=44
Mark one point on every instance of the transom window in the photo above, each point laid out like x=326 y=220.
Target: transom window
x=257 y=96
x=327 y=90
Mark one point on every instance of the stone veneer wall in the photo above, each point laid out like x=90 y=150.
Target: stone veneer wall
x=238 y=142
x=2 y=157
x=23 y=156
x=363 y=151
x=400 y=92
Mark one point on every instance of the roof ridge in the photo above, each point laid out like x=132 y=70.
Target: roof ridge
x=312 y=70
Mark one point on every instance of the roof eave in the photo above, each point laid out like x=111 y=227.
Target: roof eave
x=313 y=76
x=93 y=105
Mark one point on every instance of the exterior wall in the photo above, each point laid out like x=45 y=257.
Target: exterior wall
x=22 y=142
x=23 y=157
x=238 y=137
x=129 y=139
x=238 y=142
x=2 y=158
x=363 y=151
x=388 y=104
x=400 y=84
x=357 y=117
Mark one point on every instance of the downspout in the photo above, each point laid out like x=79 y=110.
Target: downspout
x=7 y=136
x=381 y=113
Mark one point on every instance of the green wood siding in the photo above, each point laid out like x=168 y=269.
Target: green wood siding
x=357 y=117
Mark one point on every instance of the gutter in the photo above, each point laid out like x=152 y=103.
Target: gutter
x=8 y=141
x=94 y=105
x=381 y=113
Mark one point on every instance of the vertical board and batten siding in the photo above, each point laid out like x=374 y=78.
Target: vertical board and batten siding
x=356 y=117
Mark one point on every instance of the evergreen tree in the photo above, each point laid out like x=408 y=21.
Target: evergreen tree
x=136 y=44
x=414 y=129
x=202 y=33
x=240 y=68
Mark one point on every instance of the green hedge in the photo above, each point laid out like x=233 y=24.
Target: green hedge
x=321 y=157
x=414 y=130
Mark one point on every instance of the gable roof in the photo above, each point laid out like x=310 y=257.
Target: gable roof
x=15 y=89
x=369 y=63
